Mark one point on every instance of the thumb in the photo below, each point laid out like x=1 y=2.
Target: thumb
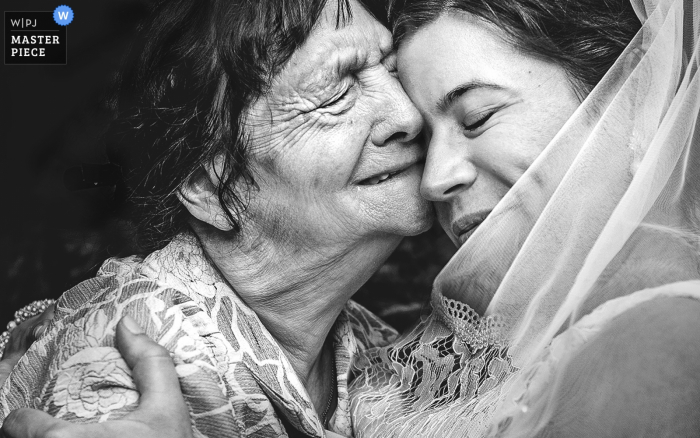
x=155 y=376
x=28 y=423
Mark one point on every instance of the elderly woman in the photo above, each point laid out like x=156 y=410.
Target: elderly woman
x=270 y=164
x=563 y=159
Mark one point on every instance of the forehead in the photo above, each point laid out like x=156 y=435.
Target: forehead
x=359 y=41
x=453 y=50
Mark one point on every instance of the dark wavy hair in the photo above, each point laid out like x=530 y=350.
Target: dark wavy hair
x=585 y=37
x=181 y=99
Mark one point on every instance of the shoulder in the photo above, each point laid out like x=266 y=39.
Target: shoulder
x=96 y=305
x=87 y=315
x=666 y=322
x=116 y=280
x=656 y=341
x=637 y=377
x=368 y=328
x=79 y=346
x=657 y=338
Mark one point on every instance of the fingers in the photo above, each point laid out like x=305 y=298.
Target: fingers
x=43 y=322
x=29 y=423
x=28 y=331
x=155 y=376
x=162 y=411
x=21 y=338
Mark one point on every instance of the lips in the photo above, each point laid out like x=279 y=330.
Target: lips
x=379 y=178
x=466 y=225
x=387 y=174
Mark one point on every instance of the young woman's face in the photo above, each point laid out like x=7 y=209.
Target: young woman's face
x=489 y=111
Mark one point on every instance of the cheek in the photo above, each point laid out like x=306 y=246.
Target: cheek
x=505 y=152
x=442 y=211
x=511 y=147
x=325 y=162
x=314 y=155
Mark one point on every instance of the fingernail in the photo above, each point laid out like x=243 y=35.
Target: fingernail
x=39 y=330
x=131 y=325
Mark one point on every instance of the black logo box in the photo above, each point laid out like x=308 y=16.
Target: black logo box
x=36 y=24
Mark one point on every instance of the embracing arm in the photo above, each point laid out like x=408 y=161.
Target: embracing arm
x=639 y=377
x=162 y=411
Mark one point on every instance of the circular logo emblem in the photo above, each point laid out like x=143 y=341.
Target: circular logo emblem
x=63 y=15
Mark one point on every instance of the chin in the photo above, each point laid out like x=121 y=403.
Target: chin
x=398 y=202
x=416 y=218
x=412 y=214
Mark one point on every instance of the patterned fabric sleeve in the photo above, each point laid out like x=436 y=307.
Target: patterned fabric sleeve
x=75 y=373
x=234 y=376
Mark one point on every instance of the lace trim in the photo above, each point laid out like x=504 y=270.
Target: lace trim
x=468 y=326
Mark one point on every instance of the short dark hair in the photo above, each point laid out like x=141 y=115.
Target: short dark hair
x=585 y=37
x=181 y=99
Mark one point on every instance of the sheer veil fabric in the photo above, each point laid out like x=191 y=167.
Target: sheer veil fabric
x=606 y=217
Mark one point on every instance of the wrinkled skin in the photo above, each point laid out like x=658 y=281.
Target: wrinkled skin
x=339 y=116
x=335 y=116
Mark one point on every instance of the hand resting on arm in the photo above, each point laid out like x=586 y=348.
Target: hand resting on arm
x=162 y=412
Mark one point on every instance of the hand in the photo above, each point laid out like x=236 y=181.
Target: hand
x=162 y=412
x=21 y=338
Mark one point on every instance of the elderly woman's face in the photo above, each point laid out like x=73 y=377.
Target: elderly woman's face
x=489 y=112
x=334 y=148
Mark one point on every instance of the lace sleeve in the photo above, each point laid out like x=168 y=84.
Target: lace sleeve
x=435 y=380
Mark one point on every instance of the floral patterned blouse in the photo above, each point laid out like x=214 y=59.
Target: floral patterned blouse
x=234 y=376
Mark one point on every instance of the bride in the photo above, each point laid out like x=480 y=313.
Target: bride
x=555 y=316
x=571 y=307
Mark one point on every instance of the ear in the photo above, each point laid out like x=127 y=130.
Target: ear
x=199 y=197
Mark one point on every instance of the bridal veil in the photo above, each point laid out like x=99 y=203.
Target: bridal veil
x=610 y=209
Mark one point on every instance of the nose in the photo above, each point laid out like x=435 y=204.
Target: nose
x=448 y=170
x=400 y=121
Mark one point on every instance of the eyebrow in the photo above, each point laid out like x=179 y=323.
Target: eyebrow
x=448 y=99
x=349 y=62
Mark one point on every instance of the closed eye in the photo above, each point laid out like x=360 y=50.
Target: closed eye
x=391 y=65
x=392 y=68
x=479 y=123
x=338 y=98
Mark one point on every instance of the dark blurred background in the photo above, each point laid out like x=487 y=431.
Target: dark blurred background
x=54 y=118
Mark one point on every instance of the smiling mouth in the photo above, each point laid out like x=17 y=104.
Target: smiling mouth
x=465 y=226
x=379 y=178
